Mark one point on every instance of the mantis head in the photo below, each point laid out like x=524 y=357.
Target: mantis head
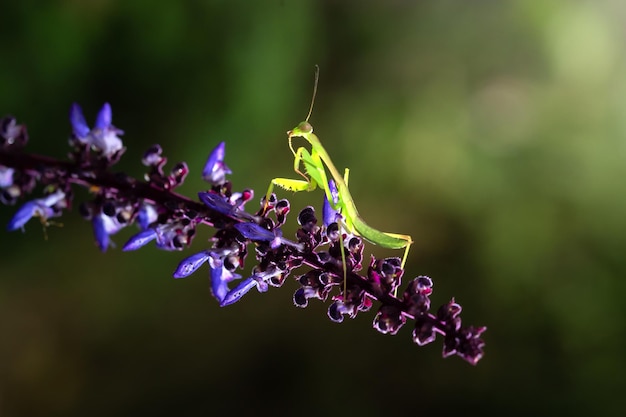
x=303 y=129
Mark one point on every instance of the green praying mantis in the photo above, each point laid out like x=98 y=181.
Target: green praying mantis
x=316 y=163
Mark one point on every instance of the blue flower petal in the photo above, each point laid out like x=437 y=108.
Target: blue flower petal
x=23 y=215
x=215 y=169
x=253 y=231
x=41 y=207
x=329 y=214
x=79 y=126
x=242 y=289
x=6 y=176
x=147 y=215
x=105 y=116
x=140 y=239
x=190 y=264
x=216 y=156
x=216 y=202
x=100 y=232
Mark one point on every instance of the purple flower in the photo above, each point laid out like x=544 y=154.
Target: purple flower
x=253 y=231
x=103 y=227
x=103 y=137
x=140 y=239
x=215 y=169
x=6 y=176
x=12 y=134
x=220 y=277
x=44 y=208
x=329 y=214
x=190 y=264
x=224 y=205
x=170 y=236
x=147 y=215
x=258 y=279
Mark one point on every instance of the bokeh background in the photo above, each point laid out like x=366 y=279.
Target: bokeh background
x=494 y=132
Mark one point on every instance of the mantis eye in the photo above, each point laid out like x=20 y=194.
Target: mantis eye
x=305 y=127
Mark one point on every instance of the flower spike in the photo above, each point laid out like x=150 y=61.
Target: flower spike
x=332 y=258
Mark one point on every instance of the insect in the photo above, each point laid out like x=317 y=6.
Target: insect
x=316 y=163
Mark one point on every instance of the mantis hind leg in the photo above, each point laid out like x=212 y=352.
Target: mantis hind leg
x=409 y=242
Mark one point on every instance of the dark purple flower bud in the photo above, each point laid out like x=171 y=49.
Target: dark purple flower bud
x=470 y=345
x=424 y=333
x=44 y=208
x=301 y=297
x=448 y=312
x=333 y=232
x=307 y=219
x=389 y=320
x=336 y=312
x=215 y=170
x=153 y=156
x=178 y=174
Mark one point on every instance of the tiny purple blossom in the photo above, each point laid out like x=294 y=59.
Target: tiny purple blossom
x=253 y=231
x=103 y=227
x=6 y=176
x=79 y=125
x=215 y=169
x=41 y=207
x=329 y=214
x=190 y=264
x=220 y=277
x=223 y=205
x=259 y=280
x=238 y=292
x=140 y=239
x=103 y=137
x=147 y=215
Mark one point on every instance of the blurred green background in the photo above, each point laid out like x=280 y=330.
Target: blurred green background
x=494 y=132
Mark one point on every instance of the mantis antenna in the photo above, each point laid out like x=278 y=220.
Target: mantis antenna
x=317 y=77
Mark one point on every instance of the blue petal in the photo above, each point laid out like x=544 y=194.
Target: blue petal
x=216 y=202
x=105 y=116
x=23 y=215
x=79 y=126
x=189 y=265
x=147 y=215
x=253 y=231
x=216 y=156
x=140 y=239
x=100 y=232
x=6 y=176
x=329 y=214
x=242 y=289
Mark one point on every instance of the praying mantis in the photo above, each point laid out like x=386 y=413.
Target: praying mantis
x=316 y=163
